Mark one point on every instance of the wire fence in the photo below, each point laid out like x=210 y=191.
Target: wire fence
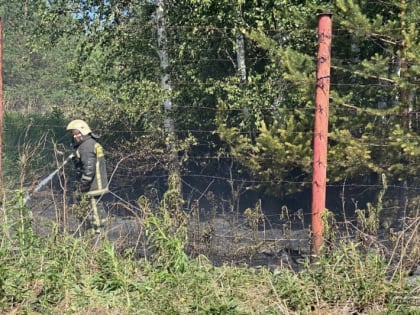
x=230 y=222
x=230 y=216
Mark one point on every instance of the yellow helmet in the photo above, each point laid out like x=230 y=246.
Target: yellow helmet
x=80 y=125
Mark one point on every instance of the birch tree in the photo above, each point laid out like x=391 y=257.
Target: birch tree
x=201 y=67
x=173 y=195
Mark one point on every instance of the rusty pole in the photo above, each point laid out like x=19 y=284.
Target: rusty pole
x=319 y=181
x=1 y=109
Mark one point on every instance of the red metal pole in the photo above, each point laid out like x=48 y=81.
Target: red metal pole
x=319 y=181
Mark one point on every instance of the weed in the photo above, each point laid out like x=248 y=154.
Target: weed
x=167 y=240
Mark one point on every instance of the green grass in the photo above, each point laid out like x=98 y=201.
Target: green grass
x=61 y=274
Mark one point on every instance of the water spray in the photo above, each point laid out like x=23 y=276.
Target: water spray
x=47 y=179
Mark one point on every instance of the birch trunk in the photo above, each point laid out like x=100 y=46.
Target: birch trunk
x=174 y=181
x=240 y=57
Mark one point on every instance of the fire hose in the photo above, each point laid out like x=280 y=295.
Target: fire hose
x=47 y=179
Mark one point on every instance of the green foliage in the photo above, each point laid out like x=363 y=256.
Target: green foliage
x=343 y=276
x=100 y=65
x=29 y=142
x=35 y=69
x=277 y=155
x=405 y=146
x=17 y=222
x=369 y=93
x=167 y=238
x=60 y=273
x=97 y=60
x=350 y=157
x=113 y=271
x=369 y=219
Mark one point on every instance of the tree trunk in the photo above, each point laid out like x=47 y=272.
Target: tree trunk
x=240 y=55
x=173 y=195
x=402 y=70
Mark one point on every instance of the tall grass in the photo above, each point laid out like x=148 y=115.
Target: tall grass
x=30 y=145
x=61 y=274
x=58 y=273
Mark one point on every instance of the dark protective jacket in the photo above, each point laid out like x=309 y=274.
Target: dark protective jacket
x=90 y=166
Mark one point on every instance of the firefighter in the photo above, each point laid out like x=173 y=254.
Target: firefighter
x=92 y=178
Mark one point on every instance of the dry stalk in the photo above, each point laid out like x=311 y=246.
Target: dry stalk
x=404 y=244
